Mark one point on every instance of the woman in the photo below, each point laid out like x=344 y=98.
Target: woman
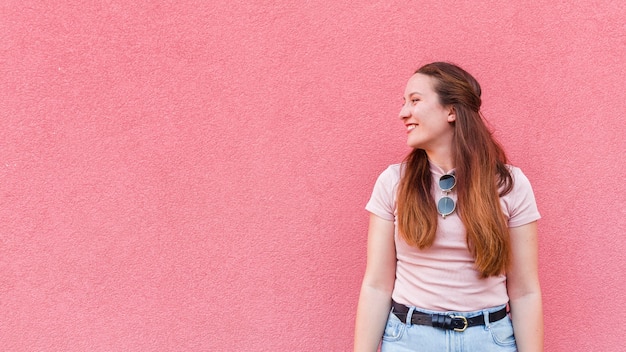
x=452 y=240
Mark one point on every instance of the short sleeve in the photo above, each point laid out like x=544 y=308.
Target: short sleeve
x=383 y=200
x=519 y=205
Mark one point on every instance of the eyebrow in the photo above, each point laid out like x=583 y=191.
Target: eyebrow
x=413 y=93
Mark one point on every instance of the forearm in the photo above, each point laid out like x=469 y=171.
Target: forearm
x=372 y=312
x=527 y=317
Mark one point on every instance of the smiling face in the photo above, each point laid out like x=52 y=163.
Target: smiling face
x=429 y=124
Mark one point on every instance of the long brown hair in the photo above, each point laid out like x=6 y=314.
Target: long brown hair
x=481 y=173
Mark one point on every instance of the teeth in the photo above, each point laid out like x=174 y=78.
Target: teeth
x=410 y=127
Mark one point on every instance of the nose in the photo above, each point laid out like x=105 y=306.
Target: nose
x=404 y=112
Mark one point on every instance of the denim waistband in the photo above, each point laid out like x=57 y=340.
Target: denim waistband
x=465 y=314
x=457 y=321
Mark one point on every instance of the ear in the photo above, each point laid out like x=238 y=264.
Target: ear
x=451 y=114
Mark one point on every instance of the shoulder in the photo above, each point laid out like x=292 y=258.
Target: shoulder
x=393 y=171
x=519 y=204
x=520 y=181
x=391 y=175
x=383 y=199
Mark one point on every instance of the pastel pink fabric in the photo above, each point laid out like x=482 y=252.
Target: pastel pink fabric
x=443 y=277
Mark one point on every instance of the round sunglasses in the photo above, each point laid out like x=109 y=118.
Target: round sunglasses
x=446 y=205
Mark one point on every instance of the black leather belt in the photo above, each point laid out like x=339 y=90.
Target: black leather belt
x=449 y=322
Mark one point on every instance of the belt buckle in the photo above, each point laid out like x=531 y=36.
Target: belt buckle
x=464 y=319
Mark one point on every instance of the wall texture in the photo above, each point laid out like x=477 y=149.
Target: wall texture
x=191 y=175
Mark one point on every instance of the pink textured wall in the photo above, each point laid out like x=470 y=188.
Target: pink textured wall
x=189 y=175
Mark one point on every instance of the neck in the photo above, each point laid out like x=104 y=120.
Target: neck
x=442 y=160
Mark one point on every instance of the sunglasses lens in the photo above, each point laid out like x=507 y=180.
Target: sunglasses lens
x=445 y=206
x=446 y=182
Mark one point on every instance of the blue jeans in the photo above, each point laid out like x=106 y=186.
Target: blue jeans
x=402 y=336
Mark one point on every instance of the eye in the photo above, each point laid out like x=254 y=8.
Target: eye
x=414 y=100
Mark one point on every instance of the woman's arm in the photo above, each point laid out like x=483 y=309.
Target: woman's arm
x=380 y=274
x=523 y=288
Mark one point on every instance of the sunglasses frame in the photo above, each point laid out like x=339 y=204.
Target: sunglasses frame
x=446 y=202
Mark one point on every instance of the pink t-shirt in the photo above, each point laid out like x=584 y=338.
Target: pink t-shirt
x=442 y=277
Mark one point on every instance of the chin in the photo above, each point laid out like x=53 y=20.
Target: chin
x=413 y=145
